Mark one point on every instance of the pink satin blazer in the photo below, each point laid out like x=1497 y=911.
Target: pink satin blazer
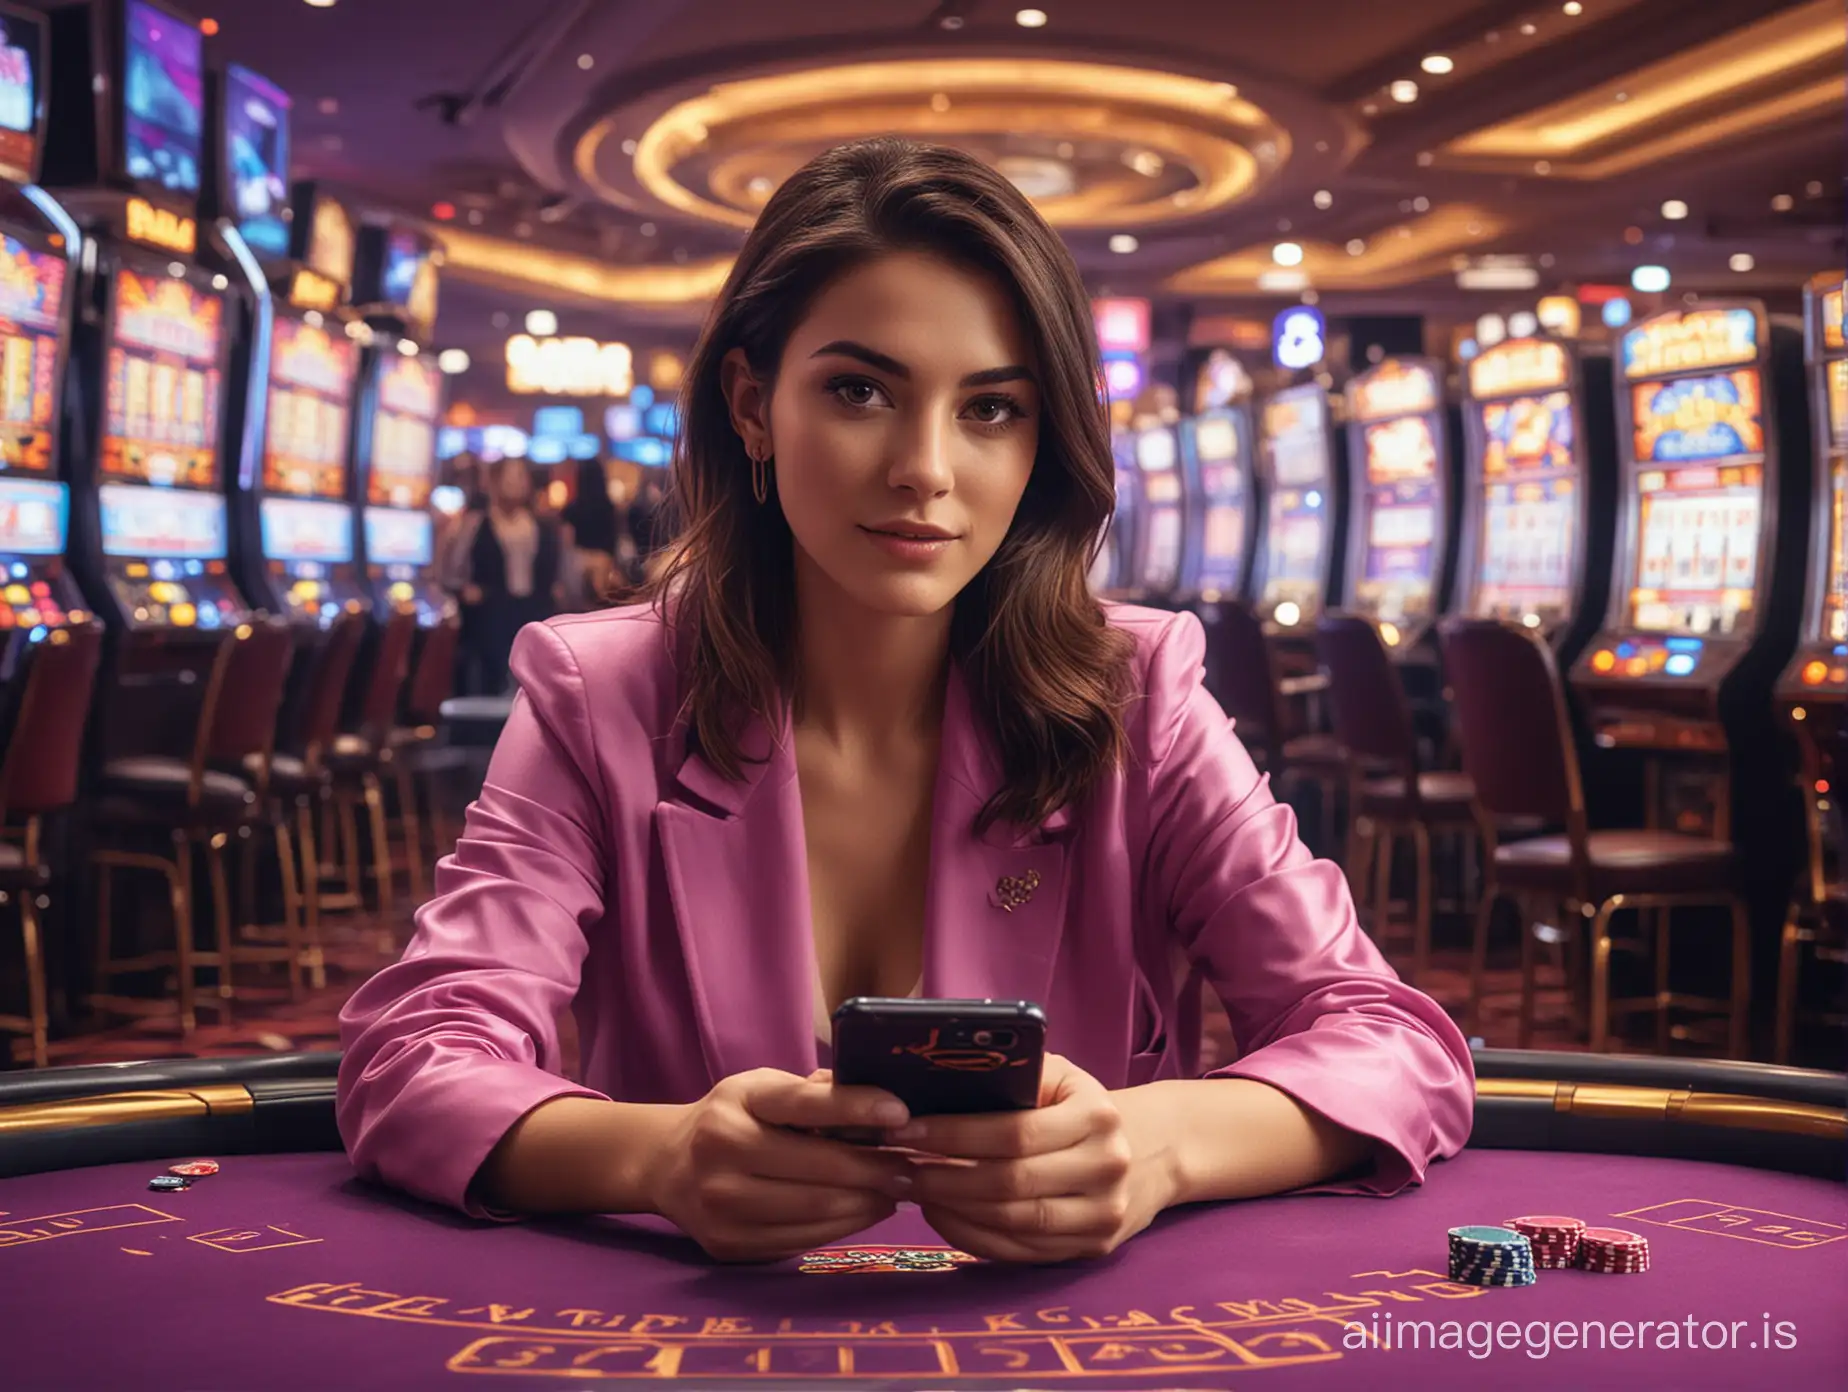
x=607 y=870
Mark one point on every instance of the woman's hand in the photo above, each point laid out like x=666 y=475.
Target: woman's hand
x=738 y=1177
x=1075 y=1178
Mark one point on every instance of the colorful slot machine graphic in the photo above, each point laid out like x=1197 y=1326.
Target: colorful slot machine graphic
x=1395 y=408
x=31 y=308
x=1530 y=480
x=1295 y=428
x=311 y=386
x=404 y=434
x=1217 y=440
x=1163 y=504
x=161 y=405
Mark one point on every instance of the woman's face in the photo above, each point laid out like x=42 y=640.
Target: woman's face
x=904 y=424
x=513 y=485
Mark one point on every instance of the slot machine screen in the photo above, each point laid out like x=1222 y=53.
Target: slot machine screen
x=31 y=333
x=1157 y=457
x=168 y=523
x=257 y=160
x=1530 y=505
x=399 y=538
x=1838 y=402
x=1835 y=597
x=310 y=395
x=1401 y=463
x=1699 y=447
x=162 y=398
x=22 y=46
x=332 y=243
x=404 y=433
x=303 y=529
x=1222 y=483
x=1296 y=439
x=33 y=517
x=163 y=98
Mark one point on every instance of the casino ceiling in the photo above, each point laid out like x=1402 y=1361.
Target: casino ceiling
x=606 y=155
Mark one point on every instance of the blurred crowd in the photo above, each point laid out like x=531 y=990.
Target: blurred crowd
x=516 y=552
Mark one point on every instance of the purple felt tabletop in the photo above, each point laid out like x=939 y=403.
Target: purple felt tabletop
x=284 y=1273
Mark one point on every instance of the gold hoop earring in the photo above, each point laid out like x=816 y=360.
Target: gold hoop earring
x=760 y=476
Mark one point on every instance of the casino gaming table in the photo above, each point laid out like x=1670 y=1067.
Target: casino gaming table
x=284 y=1272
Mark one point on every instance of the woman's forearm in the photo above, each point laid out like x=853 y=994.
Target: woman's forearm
x=576 y=1155
x=1234 y=1138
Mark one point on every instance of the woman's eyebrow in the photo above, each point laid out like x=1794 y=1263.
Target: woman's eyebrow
x=872 y=357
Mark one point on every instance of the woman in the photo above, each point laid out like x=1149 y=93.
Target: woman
x=504 y=563
x=591 y=524
x=871 y=702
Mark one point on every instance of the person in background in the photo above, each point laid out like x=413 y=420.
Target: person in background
x=504 y=564
x=591 y=524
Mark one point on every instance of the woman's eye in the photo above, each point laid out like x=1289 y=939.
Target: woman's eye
x=856 y=391
x=995 y=410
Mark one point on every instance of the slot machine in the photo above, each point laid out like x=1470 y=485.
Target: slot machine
x=1706 y=577
x=1539 y=490
x=148 y=382
x=1160 y=514
x=1221 y=509
x=1401 y=501
x=297 y=548
x=1299 y=556
x=38 y=249
x=1113 y=567
x=1811 y=690
x=401 y=398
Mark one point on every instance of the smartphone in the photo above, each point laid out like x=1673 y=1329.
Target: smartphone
x=943 y=1057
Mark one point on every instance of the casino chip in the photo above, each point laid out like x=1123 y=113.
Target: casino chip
x=1554 y=1240
x=1613 y=1252
x=168 y=1181
x=1484 y=1256
x=193 y=1169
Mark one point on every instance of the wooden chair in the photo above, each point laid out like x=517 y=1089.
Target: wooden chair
x=198 y=806
x=416 y=751
x=1389 y=795
x=39 y=774
x=1517 y=746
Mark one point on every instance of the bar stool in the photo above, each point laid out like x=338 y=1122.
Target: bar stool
x=1517 y=746
x=415 y=752
x=299 y=778
x=359 y=759
x=1816 y=924
x=1244 y=676
x=1389 y=795
x=38 y=774
x=199 y=807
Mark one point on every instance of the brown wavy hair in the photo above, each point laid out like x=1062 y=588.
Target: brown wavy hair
x=1043 y=668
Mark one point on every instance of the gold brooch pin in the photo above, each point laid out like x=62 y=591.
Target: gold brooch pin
x=1011 y=891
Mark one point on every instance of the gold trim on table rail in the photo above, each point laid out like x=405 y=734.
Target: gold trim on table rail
x=1682 y=1105
x=127 y=1108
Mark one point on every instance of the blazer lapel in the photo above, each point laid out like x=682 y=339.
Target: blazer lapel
x=995 y=909
x=737 y=869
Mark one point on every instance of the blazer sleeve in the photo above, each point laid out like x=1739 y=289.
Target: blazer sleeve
x=1316 y=1011
x=448 y=1047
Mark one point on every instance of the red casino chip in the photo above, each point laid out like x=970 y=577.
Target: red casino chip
x=1613 y=1252
x=194 y=1169
x=1555 y=1239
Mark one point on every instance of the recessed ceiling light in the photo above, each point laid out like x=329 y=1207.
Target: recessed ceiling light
x=1123 y=244
x=1437 y=64
x=407 y=347
x=1491 y=329
x=647 y=229
x=1529 y=30
x=321 y=4
x=1572 y=7
x=1356 y=245
x=940 y=101
x=1546 y=259
x=628 y=147
x=541 y=323
x=1782 y=203
x=1674 y=210
x=221 y=282
x=1146 y=163
x=1030 y=19
x=452 y=361
x=1813 y=188
x=1324 y=199
x=1742 y=261
x=1370 y=109
x=1523 y=323
x=329 y=106
x=476 y=217
x=1650 y=280
x=1287 y=254
x=1404 y=91
x=1421 y=204
x=1543 y=166
x=1426 y=159
x=950 y=22
x=586 y=61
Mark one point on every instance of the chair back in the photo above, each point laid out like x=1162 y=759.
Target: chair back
x=331 y=670
x=1243 y=679
x=391 y=664
x=433 y=677
x=249 y=697
x=44 y=749
x=1512 y=723
x=1366 y=700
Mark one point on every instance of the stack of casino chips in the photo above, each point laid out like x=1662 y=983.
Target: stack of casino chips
x=1613 y=1252
x=1554 y=1240
x=1490 y=1257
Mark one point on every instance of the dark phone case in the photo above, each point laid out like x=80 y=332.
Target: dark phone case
x=923 y=1052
